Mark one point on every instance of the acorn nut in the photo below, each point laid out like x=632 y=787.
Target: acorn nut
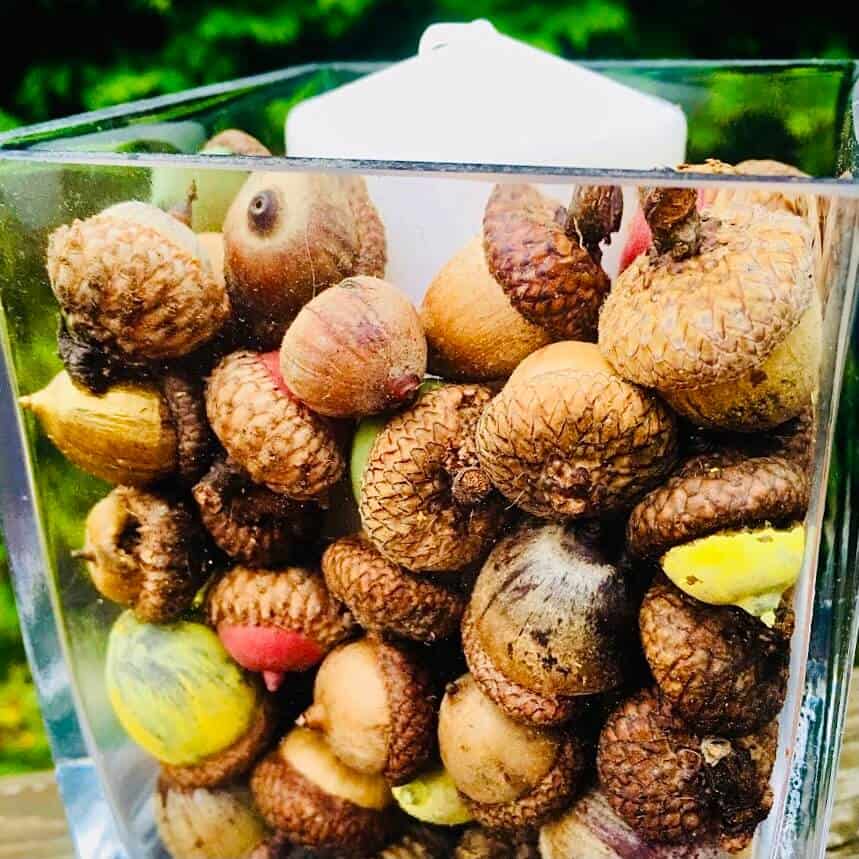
x=568 y=438
x=383 y=597
x=136 y=280
x=276 y=439
x=304 y=791
x=426 y=504
x=548 y=622
x=512 y=776
x=288 y=236
x=145 y=551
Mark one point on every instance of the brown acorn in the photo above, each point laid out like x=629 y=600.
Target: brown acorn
x=249 y=522
x=383 y=597
x=276 y=439
x=374 y=704
x=426 y=504
x=145 y=551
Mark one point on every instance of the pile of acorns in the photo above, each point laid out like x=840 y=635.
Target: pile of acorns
x=555 y=618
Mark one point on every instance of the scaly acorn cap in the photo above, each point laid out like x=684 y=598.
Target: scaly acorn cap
x=276 y=439
x=136 y=279
x=293 y=598
x=383 y=597
x=723 y=671
x=548 y=276
x=145 y=551
x=207 y=824
x=123 y=436
x=480 y=843
x=426 y=504
x=731 y=302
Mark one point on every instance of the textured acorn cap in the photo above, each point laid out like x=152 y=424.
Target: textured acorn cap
x=480 y=843
x=277 y=440
x=182 y=390
x=310 y=814
x=425 y=502
x=723 y=671
x=137 y=280
x=292 y=598
x=418 y=842
x=145 y=552
x=231 y=763
x=383 y=597
x=575 y=440
x=717 y=491
x=207 y=824
x=548 y=276
x=729 y=305
x=249 y=522
x=288 y=236
x=404 y=720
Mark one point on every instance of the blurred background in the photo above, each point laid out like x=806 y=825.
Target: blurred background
x=88 y=54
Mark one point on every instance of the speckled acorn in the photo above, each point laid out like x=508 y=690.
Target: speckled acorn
x=288 y=236
x=512 y=776
x=744 y=347
x=277 y=440
x=276 y=621
x=672 y=785
x=145 y=551
x=568 y=438
x=548 y=268
x=383 y=597
x=426 y=504
x=374 y=703
x=304 y=791
x=136 y=280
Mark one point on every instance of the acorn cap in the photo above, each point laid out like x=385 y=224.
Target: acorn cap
x=136 y=280
x=229 y=764
x=383 y=597
x=207 y=824
x=425 y=502
x=567 y=437
x=553 y=793
x=293 y=598
x=277 y=440
x=723 y=671
x=480 y=843
x=249 y=522
x=519 y=703
x=145 y=552
x=418 y=842
x=548 y=276
x=730 y=304
x=308 y=812
x=183 y=393
x=715 y=492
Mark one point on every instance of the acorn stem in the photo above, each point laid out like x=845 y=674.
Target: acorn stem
x=673 y=218
x=470 y=486
x=594 y=213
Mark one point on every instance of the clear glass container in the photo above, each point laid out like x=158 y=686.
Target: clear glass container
x=800 y=113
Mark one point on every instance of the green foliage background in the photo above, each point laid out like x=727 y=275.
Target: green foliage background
x=88 y=54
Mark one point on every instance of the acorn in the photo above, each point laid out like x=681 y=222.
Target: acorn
x=275 y=621
x=272 y=436
x=674 y=785
x=433 y=798
x=548 y=622
x=550 y=269
x=426 y=504
x=355 y=349
x=145 y=551
x=567 y=437
x=197 y=823
x=723 y=671
x=305 y=792
x=136 y=280
x=181 y=698
x=383 y=597
x=288 y=236
x=249 y=522
x=512 y=776
x=374 y=704
x=744 y=347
